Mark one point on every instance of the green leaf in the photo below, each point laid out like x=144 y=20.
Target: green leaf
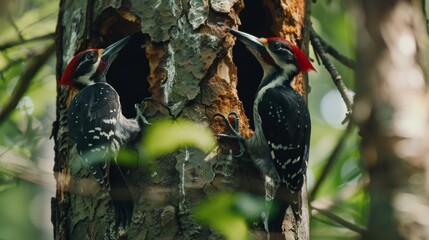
x=127 y=157
x=165 y=136
x=228 y=213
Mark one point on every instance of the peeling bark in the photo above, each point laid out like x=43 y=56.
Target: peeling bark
x=182 y=58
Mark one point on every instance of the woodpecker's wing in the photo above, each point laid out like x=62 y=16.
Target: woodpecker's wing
x=286 y=127
x=92 y=119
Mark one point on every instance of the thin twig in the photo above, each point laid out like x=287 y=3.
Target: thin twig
x=331 y=160
x=15 y=27
x=337 y=55
x=336 y=77
x=341 y=221
x=34 y=65
x=348 y=62
x=5 y=151
x=12 y=63
x=16 y=43
x=52 y=14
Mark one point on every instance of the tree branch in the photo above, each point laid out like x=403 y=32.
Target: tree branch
x=341 y=221
x=14 y=26
x=348 y=62
x=332 y=158
x=34 y=65
x=35 y=39
x=12 y=63
x=336 y=77
x=52 y=14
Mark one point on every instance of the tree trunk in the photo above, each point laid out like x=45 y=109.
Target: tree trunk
x=180 y=55
x=391 y=110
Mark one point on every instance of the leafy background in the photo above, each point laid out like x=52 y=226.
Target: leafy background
x=26 y=152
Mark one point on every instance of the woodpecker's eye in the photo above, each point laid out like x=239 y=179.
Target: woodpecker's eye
x=282 y=50
x=280 y=47
x=91 y=56
x=275 y=46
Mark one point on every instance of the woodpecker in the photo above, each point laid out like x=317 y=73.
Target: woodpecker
x=96 y=124
x=280 y=144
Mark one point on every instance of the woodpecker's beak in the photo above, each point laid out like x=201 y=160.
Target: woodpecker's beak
x=255 y=45
x=111 y=52
x=250 y=41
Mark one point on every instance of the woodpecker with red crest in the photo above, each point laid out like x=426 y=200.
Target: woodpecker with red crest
x=96 y=124
x=280 y=144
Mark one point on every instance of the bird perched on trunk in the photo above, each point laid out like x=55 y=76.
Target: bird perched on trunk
x=96 y=124
x=280 y=144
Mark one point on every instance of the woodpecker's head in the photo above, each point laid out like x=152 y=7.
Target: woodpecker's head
x=90 y=66
x=275 y=53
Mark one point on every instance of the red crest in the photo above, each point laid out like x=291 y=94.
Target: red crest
x=304 y=65
x=67 y=77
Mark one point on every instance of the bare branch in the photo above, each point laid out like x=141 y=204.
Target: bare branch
x=341 y=221
x=34 y=65
x=35 y=39
x=14 y=26
x=332 y=158
x=336 y=77
x=12 y=63
x=348 y=62
x=49 y=15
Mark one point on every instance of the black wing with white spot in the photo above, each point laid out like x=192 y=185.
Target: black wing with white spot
x=286 y=127
x=92 y=119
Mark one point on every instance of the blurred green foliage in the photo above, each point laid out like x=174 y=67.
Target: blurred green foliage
x=229 y=212
x=24 y=205
x=342 y=192
x=175 y=134
x=24 y=135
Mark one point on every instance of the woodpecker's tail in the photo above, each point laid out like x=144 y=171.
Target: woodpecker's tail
x=121 y=196
x=282 y=200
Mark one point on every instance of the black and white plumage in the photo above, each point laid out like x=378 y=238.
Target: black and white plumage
x=285 y=126
x=287 y=135
x=96 y=124
x=99 y=129
x=280 y=144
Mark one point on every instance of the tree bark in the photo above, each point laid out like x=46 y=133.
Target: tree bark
x=391 y=110
x=180 y=55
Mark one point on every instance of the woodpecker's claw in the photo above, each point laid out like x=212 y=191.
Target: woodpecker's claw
x=140 y=109
x=235 y=131
x=242 y=145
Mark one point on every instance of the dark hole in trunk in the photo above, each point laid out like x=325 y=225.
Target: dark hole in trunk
x=128 y=75
x=255 y=20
